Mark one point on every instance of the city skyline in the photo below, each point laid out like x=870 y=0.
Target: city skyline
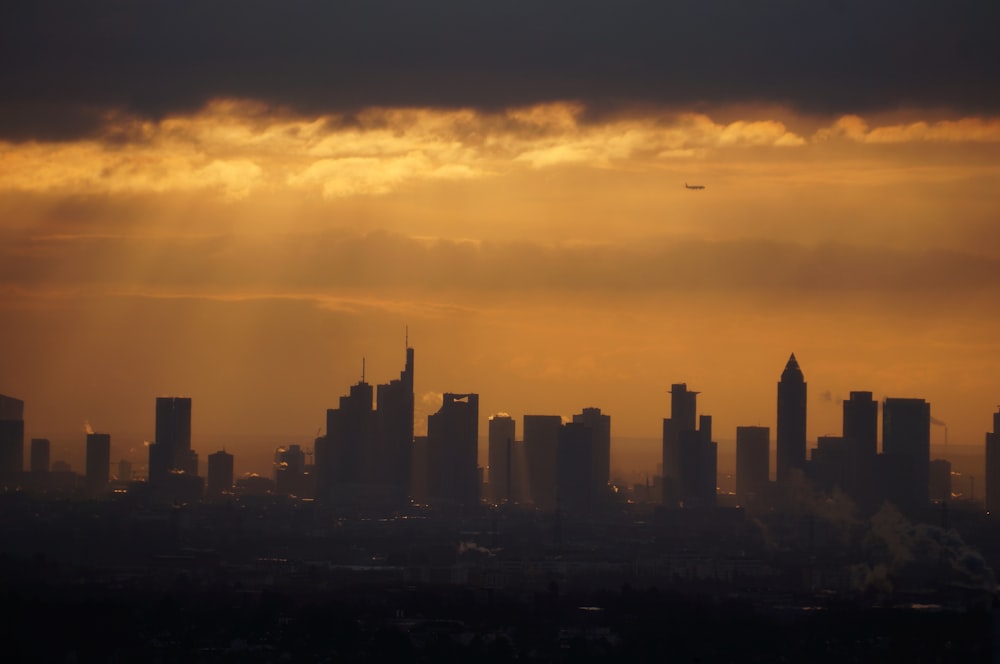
x=244 y=234
x=173 y=420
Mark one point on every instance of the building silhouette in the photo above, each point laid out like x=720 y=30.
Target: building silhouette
x=11 y=440
x=600 y=428
x=541 y=453
x=500 y=454
x=993 y=466
x=576 y=491
x=906 y=450
x=220 y=473
x=170 y=452
x=342 y=455
x=41 y=455
x=366 y=455
x=453 y=451
x=690 y=457
x=860 y=432
x=290 y=473
x=791 y=431
x=98 y=462
x=394 y=423
x=753 y=463
x=832 y=465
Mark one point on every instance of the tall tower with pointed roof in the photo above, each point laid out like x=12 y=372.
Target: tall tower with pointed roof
x=791 y=420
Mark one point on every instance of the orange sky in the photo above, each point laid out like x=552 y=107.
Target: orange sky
x=249 y=257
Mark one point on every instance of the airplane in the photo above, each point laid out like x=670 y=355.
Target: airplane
x=693 y=186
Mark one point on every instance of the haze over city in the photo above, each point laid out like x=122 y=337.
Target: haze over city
x=224 y=205
x=499 y=331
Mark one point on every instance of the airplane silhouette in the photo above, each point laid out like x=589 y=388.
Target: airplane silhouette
x=693 y=186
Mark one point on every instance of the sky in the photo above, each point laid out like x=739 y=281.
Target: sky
x=241 y=201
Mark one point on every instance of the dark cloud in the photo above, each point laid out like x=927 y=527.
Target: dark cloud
x=67 y=61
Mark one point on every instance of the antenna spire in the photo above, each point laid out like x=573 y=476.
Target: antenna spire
x=406 y=337
x=362 y=369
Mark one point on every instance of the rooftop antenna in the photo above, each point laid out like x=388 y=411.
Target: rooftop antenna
x=406 y=337
x=362 y=369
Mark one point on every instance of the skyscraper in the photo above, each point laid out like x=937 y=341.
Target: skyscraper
x=98 y=461
x=906 y=446
x=501 y=450
x=394 y=416
x=575 y=489
x=220 y=473
x=600 y=428
x=993 y=466
x=861 y=438
x=453 y=451
x=541 y=452
x=341 y=456
x=11 y=439
x=753 y=462
x=366 y=455
x=171 y=447
x=791 y=435
x=689 y=454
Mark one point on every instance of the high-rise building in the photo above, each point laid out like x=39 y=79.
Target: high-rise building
x=11 y=439
x=993 y=466
x=290 y=478
x=98 y=466
x=342 y=455
x=170 y=451
x=541 y=452
x=220 y=473
x=906 y=448
x=791 y=434
x=366 y=455
x=40 y=455
x=575 y=489
x=501 y=457
x=690 y=457
x=861 y=438
x=453 y=451
x=394 y=422
x=753 y=462
x=833 y=466
x=600 y=428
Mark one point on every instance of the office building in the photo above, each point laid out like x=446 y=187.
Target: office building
x=220 y=473
x=906 y=445
x=11 y=440
x=501 y=456
x=394 y=424
x=860 y=431
x=290 y=478
x=366 y=456
x=575 y=488
x=791 y=432
x=993 y=466
x=600 y=428
x=170 y=452
x=453 y=451
x=689 y=455
x=753 y=462
x=541 y=451
x=98 y=463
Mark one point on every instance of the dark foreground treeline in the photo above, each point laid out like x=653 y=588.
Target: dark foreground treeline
x=67 y=623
